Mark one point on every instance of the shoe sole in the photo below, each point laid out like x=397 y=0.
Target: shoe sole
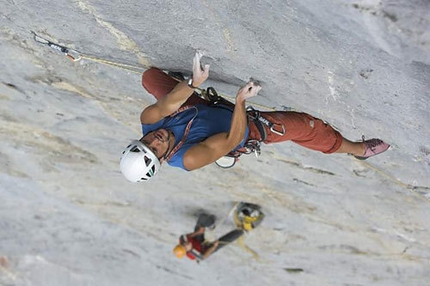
x=365 y=158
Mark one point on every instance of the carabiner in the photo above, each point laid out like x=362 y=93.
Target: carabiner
x=277 y=132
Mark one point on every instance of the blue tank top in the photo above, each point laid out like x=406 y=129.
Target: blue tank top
x=208 y=121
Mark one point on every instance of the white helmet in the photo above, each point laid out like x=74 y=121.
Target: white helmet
x=138 y=163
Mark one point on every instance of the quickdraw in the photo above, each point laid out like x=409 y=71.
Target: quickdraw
x=75 y=56
x=70 y=53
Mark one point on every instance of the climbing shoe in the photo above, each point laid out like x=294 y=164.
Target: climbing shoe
x=373 y=147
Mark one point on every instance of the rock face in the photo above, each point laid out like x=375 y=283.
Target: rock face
x=68 y=217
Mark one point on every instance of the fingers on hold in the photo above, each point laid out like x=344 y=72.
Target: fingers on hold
x=198 y=55
x=256 y=86
x=205 y=69
x=254 y=89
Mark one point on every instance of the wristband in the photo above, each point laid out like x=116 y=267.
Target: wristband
x=190 y=83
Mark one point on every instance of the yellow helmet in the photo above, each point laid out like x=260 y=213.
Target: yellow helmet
x=179 y=251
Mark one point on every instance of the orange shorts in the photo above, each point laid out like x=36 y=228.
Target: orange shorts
x=301 y=128
x=158 y=83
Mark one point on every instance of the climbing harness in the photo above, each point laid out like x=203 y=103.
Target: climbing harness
x=255 y=115
x=251 y=145
x=212 y=96
x=229 y=160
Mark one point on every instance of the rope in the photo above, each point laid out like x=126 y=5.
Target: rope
x=396 y=181
x=135 y=69
x=76 y=56
x=221 y=222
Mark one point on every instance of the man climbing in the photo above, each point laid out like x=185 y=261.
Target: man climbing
x=189 y=132
x=194 y=245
